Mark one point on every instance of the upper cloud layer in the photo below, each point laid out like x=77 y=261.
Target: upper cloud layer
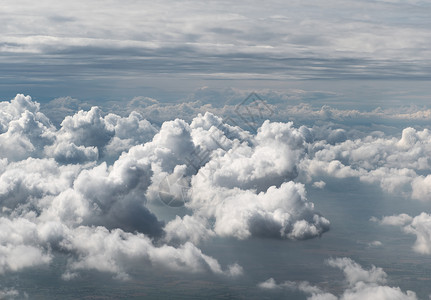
x=208 y=38
x=93 y=178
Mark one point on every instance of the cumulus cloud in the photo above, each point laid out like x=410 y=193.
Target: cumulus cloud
x=188 y=228
x=24 y=130
x=61 y=191
x=83 y=137
x=280 y=212
x=113 y=251
x=92 y=178
x=19 y=248
x=420 y=226
x=94 y=175
x=421 y=188
x=393 y=163
x=87 y=136
x=360 y=284
x=246 y=187
x=231 y=176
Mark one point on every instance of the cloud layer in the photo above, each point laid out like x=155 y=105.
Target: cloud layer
x=126 y=47
x=84 y=189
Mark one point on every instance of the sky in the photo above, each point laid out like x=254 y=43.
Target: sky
x=215 y=150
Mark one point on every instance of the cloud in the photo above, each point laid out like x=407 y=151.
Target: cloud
x=52 y=202
x=23 y=129
x=92 y=178
x=83 y=137
x=24 y=182
x=111 y=134
x=18 y=246
x=101 y=170
x=242 y=182
x=247 y=187
x=421 y=188
x=206 y=40
x=59 y=108
x=354 y=273
x=319 y=184
x=188 y=228
x=361 y=284
x=113 y=251
x=299 y=106
x=375 y=244
x=279 y=212
x=397 y=220
x=393 y=163
x=420 y=226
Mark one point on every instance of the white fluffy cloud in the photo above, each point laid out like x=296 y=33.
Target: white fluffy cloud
x=421 y=188
x=86 y=136
x=246 y=187
x=420 y=226
x=114 y=251
x=24 y=130
x=360 y=284
x=280 y=212
x=393 y=163
x=97 y=173
x=57 y=193
x=19 y=247
x=92 y=178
